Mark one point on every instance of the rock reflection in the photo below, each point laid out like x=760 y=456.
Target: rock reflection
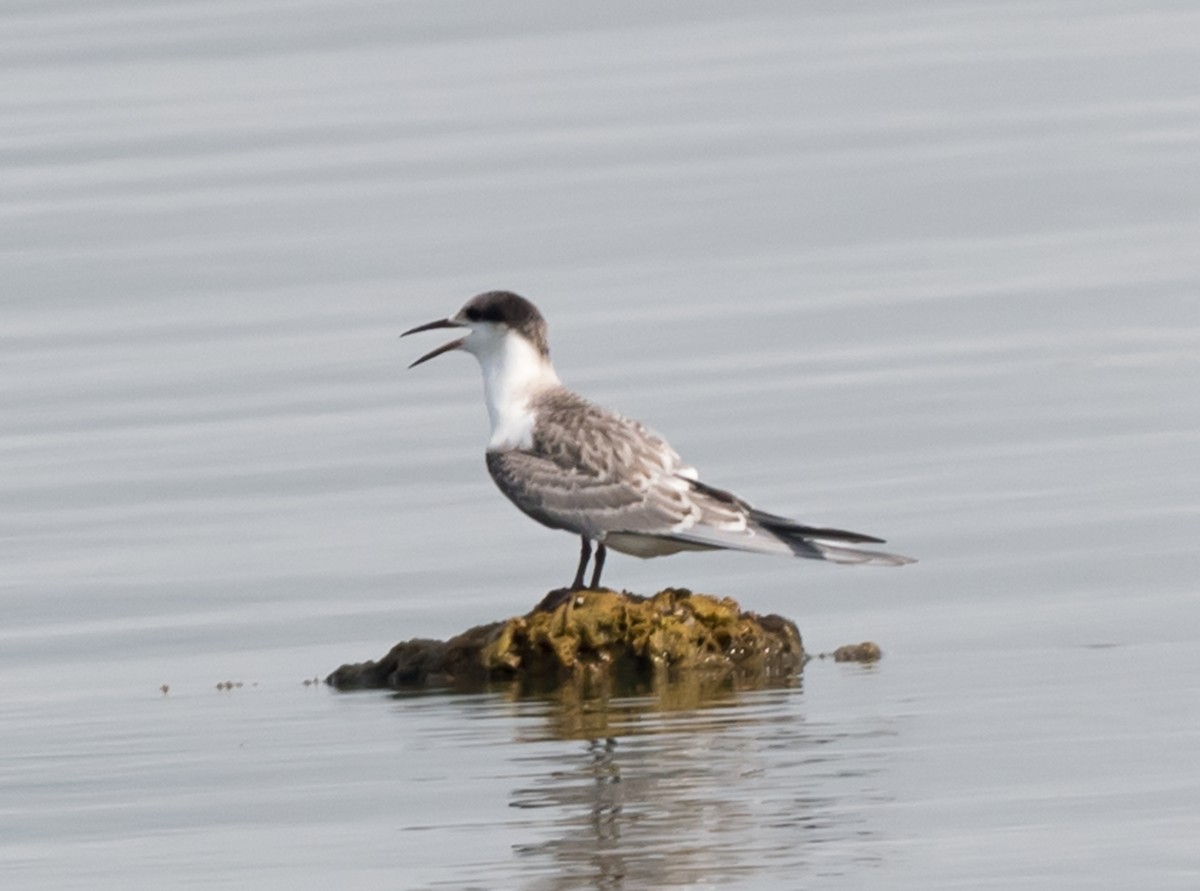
x=693 y=786
x=581 y=712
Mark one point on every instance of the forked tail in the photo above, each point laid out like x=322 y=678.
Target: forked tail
x=836 y=545
x=771 y=533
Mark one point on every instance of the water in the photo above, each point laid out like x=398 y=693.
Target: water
x=925 y=272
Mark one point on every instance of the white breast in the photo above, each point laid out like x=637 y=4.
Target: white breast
x=512 y=428
x=513 y=373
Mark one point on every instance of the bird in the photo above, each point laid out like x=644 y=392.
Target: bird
x=575 y=466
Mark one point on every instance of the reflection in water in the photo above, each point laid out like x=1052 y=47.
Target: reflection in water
x=577 y=713
x=675 y=789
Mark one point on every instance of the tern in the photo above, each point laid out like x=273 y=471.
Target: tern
x=574 y=466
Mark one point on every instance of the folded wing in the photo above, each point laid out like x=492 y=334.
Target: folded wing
x=595 y=473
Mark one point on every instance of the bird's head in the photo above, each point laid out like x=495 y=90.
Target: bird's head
x=490 y=319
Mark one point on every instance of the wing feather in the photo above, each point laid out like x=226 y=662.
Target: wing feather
x=596 y=473
x=592 y=471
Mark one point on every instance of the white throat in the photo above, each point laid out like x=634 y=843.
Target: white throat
x=513 y=373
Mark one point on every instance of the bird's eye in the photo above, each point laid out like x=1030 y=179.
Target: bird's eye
x=472 y=314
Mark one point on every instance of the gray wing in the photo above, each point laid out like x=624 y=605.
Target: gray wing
x=594 y=472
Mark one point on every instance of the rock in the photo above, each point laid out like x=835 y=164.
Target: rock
x=867 y=651
x=598 y=638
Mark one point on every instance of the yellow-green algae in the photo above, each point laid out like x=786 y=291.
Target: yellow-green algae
x=602 y=638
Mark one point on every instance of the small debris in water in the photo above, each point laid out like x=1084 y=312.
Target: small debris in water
x=867 y=651
x=165 y=688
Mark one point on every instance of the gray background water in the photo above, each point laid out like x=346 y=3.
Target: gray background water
x=926 y=270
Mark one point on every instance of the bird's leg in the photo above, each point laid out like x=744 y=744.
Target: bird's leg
x=585 y=554
x=601 y=552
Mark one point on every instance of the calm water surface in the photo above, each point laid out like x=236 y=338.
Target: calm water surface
x=926 y=272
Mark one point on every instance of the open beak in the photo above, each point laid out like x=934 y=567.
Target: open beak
x=444 y=348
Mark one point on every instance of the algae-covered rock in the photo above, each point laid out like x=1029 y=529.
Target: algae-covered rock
x=867 y=651
x=599 y=637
